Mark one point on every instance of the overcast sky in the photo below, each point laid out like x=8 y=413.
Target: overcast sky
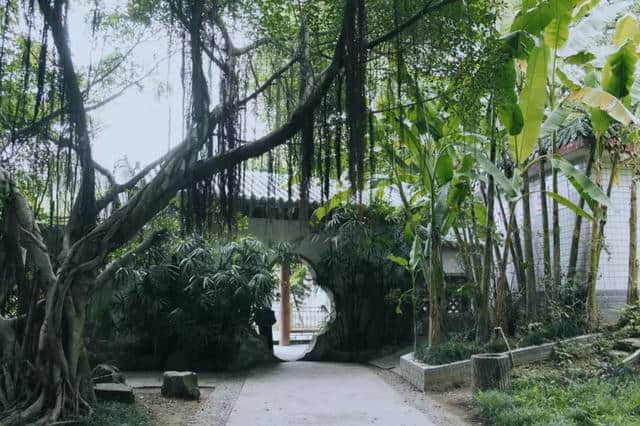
x=136 y=125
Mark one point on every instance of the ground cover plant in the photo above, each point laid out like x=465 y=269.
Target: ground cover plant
x=109 y=413
x=582 y=384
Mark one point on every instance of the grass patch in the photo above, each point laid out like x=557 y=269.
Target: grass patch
x=109 y=413
x=579 y=386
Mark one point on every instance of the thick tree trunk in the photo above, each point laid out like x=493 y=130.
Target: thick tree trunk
x=491 y=371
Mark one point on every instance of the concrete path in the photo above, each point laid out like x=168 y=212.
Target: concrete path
x=312 y=393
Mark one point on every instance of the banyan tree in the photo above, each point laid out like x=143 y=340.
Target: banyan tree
x=305 y=66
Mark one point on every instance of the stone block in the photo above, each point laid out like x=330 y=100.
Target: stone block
x=180 y=384
x=114 y=392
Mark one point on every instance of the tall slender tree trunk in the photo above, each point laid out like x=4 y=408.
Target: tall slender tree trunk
x=483 y=330
x=557 y=265
x=502 y=291
x=632 y=288
x=531 y=293
x=546 y=244
x=285 y=304
x=597 y=243
x=577 y=226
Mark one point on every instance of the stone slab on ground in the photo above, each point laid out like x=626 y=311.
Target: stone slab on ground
x=105 y=373
x=114 y=392
x=321 y=393
x=180 y=384
x=630 y=344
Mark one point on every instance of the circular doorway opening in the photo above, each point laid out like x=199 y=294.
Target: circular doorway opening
x=307 y=312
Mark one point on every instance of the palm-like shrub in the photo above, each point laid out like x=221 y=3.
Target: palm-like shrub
x=199 y=297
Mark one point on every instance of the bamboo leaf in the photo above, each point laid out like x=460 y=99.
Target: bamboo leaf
x=573 y=207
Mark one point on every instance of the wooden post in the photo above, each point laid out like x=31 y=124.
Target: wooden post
x=491 y=371
x=285 y=304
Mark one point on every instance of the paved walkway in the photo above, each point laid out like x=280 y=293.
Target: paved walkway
x=312 y=393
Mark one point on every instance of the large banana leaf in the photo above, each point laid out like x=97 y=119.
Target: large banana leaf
x=534 y=20
x=592 y=194
x=627 y=28
x=532 y=101
x=554 y=122
x=606 y=102
x=556 y=32
x=584 y=35
x=620 y=70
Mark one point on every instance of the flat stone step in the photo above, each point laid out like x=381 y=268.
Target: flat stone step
x=630 y=344
x=114 y=392
x=618 y=354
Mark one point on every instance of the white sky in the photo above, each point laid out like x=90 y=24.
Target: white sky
x=136 y=124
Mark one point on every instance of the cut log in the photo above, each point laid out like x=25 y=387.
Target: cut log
x=491 y=371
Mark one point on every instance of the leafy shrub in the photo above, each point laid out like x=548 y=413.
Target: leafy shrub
x=108 y=413
x=629 y=321
x=577 y=387
x=452 y=351
x=194 y=296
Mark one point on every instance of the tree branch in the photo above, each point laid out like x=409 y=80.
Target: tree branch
x=113 y=267
x=428 y=8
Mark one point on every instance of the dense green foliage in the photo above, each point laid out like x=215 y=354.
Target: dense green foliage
x=194 y=294
x=581 y=385
x=370 y=292
x=453 y=351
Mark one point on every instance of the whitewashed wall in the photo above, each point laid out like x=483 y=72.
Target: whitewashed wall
x=613 y=274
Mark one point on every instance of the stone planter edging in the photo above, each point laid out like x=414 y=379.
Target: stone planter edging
x=430 y=377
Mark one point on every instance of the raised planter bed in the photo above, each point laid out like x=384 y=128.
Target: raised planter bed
x=435 y=377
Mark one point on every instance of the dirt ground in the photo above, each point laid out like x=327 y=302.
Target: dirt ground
x=163 y=411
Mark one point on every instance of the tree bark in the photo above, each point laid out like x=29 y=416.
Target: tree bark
x=577 y=227
x=546 y=241
x=632 y=288
x=483 y=332
x=491 y=371
x=556 y=282
x=531 y=293
x=285 y=304
x=597 y=243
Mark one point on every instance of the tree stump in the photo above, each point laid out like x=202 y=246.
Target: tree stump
x=491 y=371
